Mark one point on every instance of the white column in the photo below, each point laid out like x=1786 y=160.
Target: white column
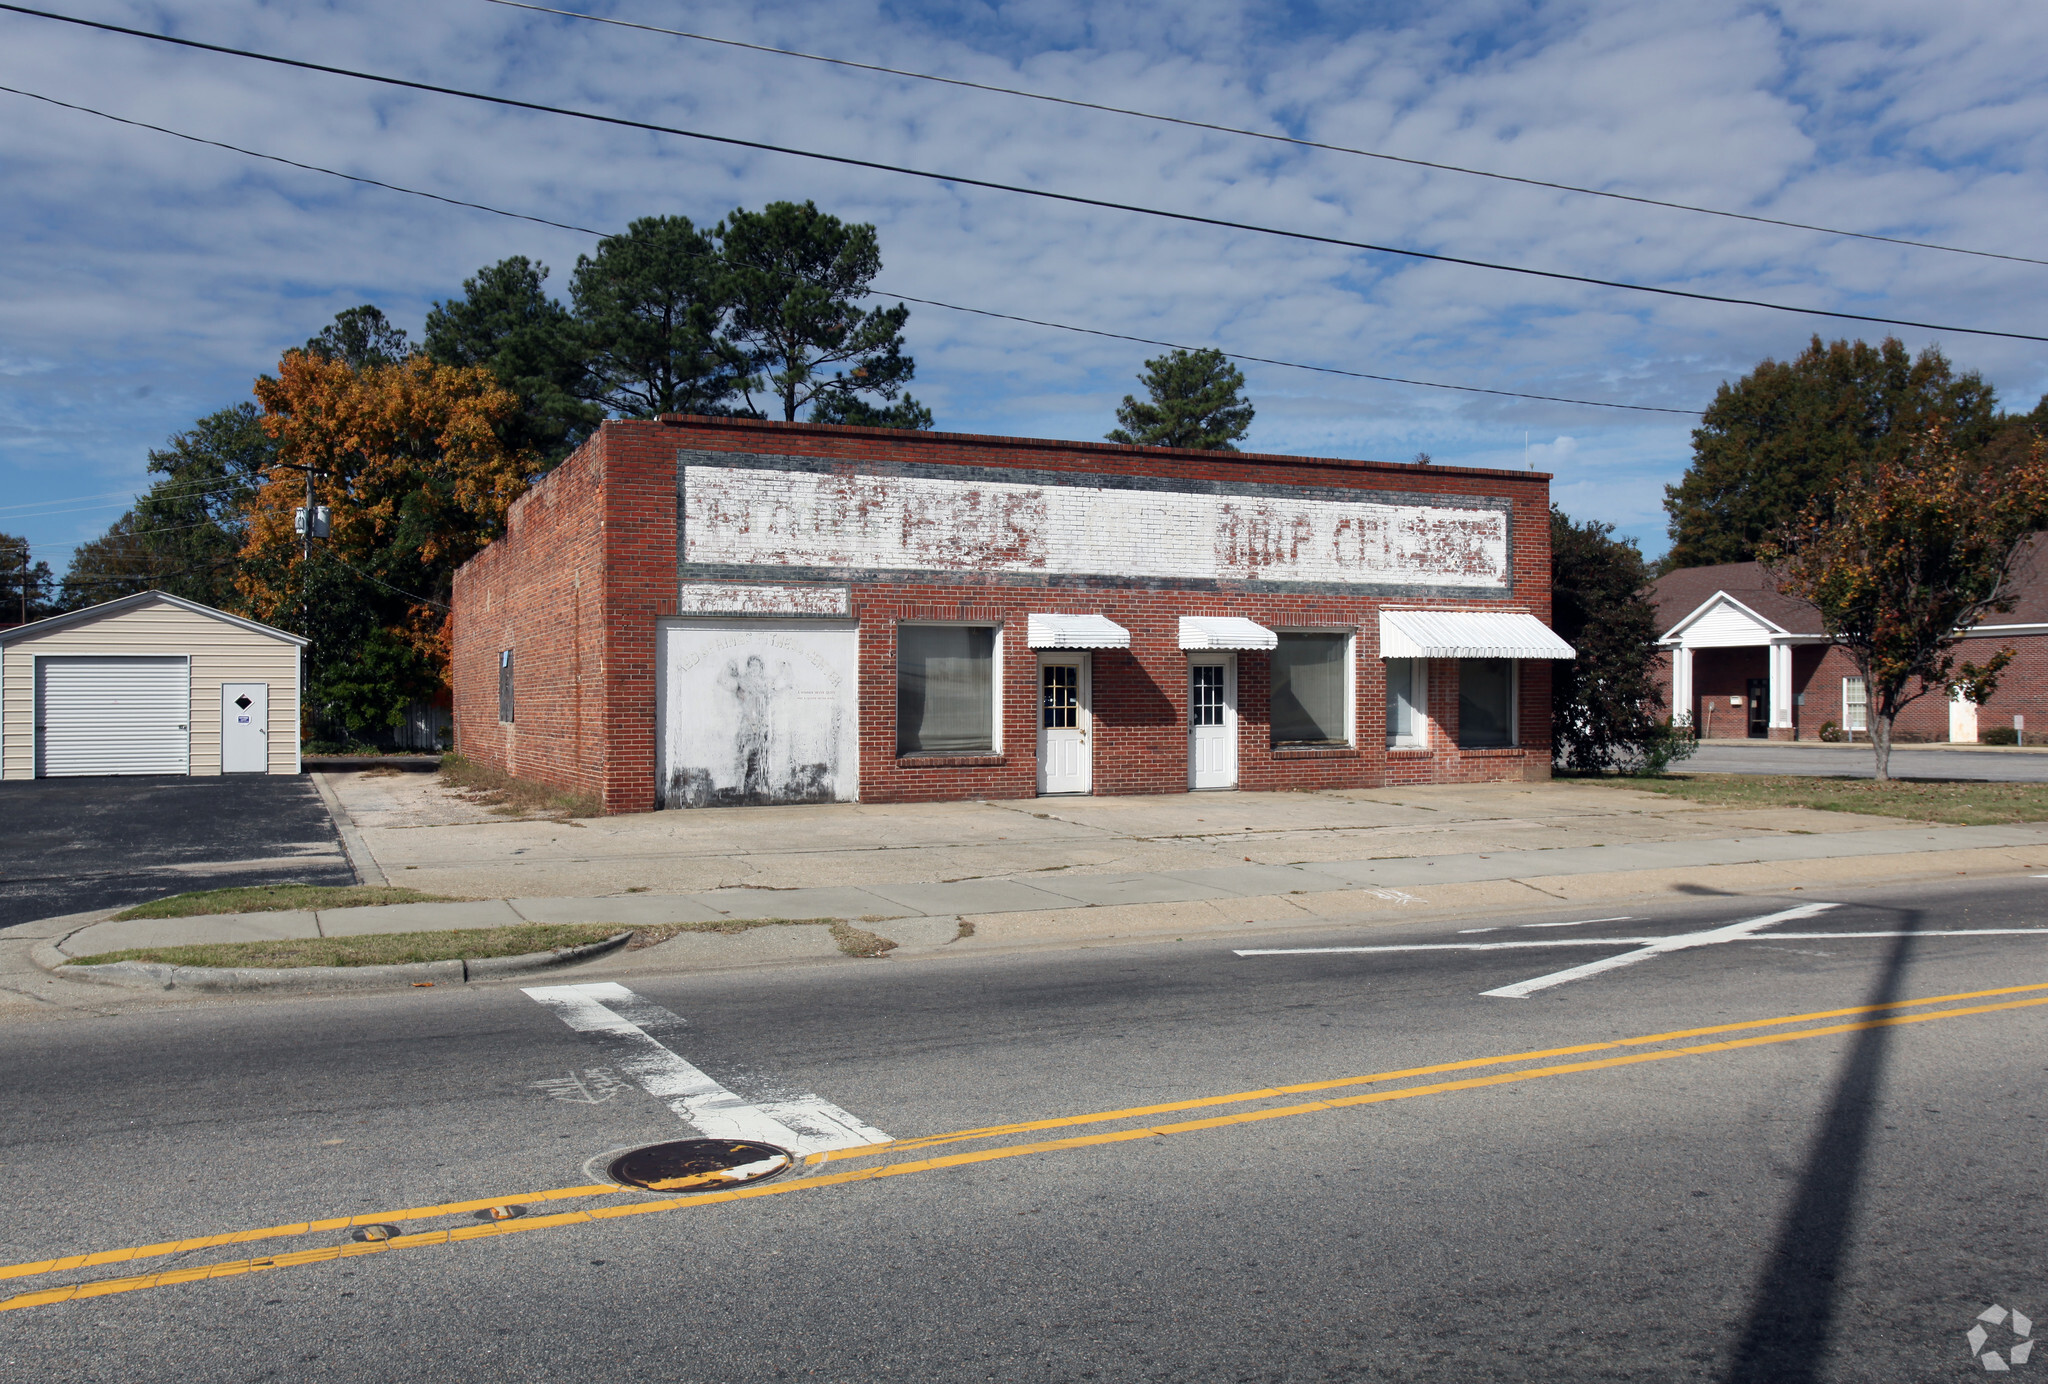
x=1681 y=686
x=1781 y=687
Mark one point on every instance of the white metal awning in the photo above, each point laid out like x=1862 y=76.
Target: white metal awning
x=1075 y=632
x=1224 y=632
x=1468 y=634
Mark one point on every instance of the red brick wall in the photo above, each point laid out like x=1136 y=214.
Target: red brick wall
x=584 y=626
x=1818 y=671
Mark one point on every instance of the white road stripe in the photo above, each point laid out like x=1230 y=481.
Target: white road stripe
x=1733 y=932
x=612 y=1015
x=1583 y=922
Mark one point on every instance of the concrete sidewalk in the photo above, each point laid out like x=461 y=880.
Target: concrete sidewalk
x=1081 y=907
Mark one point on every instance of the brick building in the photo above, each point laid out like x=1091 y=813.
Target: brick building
x=703 y=611
x=1745 y=661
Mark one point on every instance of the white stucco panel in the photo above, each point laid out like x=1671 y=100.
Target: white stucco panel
x=758 y=712
x=762 y=598
x=751 y=517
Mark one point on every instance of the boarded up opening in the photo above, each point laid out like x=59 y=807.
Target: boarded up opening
x=759 y=711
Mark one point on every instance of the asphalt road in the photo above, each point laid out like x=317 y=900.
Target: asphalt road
x=1908 y=761
x=1830 y=1198
x=72 y=844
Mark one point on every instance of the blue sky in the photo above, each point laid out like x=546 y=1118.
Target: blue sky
x=147 y=280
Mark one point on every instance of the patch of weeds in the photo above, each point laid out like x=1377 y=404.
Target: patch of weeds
x=966 y=931
x=510 y=796
x=381 y=771
x=855 y=941
x=273 y=898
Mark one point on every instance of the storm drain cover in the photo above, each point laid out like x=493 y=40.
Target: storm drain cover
x=699 y=1165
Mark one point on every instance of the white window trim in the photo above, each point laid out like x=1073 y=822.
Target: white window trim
x=1865 y=727
x=1418 y=739
x=1514 y=707
x=1351 y=656
x=995 y=685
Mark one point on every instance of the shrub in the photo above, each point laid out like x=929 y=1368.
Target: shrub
x=1998 y=735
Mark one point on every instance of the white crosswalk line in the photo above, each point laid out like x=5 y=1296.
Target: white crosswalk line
x=1685 y=941
x=612 y=1016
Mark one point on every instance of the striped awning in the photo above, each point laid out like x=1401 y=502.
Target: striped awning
x=1468 y=634
x=1075 y=632
x=1224 y=632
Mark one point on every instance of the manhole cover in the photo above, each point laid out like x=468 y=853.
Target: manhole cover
x=698 y=1165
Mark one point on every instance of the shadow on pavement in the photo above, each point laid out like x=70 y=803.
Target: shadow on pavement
x=1793 y=1311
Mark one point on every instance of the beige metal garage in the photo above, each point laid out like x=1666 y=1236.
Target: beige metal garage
x=148 y=684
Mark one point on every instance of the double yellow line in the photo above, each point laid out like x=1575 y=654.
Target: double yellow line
x=1896 y=1014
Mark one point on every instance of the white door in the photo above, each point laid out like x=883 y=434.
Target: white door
x=110 y=715
x=1962 y=718
x=1063 y=725
x=1212 y=724
x=245 y=728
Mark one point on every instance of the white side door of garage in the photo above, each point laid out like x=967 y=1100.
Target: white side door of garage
x=244 y=727
x=112 y=715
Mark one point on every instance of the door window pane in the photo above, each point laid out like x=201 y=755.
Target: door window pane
x=1206 y=705
x=945 y=689
x=1486 y=703
x=1404 y=702
x=1311 y=696
x=1061 y=695
x=505 y=685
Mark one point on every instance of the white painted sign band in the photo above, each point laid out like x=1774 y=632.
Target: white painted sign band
x=748 y=516
x=763 y=598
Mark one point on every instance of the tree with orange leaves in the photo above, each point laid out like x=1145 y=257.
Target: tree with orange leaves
x=1903 y=556
x=409 y=458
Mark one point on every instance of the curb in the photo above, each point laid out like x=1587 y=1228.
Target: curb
x=220 y=980
x=368 y=871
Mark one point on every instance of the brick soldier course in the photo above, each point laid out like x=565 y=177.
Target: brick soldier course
x=557 y=631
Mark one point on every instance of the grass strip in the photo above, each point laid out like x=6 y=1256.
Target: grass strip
x=510 y=796
x=465 y=944
x=275 y=898
x=1954 y=802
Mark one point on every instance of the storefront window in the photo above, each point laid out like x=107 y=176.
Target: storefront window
x=945 y=689
x=1405 y=698
x=1486 y=703
x=1312 y=690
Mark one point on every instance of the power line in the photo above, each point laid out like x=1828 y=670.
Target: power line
x=1070 y=198
x=1266 y=135
x=274 y=158
x=1267 y=360
x=928 y=302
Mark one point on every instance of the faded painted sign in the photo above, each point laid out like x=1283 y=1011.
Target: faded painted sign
x=762 y=598
x=758 y=711
x=787 y=518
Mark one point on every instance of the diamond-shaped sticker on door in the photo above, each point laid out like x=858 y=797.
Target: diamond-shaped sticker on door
x=242 y=702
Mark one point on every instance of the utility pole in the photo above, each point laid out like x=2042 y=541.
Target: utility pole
x=312 y=522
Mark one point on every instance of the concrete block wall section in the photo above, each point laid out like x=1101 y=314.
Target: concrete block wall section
x=589 y=567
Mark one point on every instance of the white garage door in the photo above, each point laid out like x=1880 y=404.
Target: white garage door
x=112 y=716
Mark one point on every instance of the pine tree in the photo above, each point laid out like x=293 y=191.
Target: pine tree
x=1197 y=401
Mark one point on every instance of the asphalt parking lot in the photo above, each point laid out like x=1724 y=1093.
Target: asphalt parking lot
x=72 y=844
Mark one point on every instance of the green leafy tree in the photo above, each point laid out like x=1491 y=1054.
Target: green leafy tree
x=505 y=322
x=26 y=588
x=1900 y=558
x=795 y=276
x=360 y=337
x=1790 y=430
x=1604 y=704
x=1197 y=400
x=651 y=306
